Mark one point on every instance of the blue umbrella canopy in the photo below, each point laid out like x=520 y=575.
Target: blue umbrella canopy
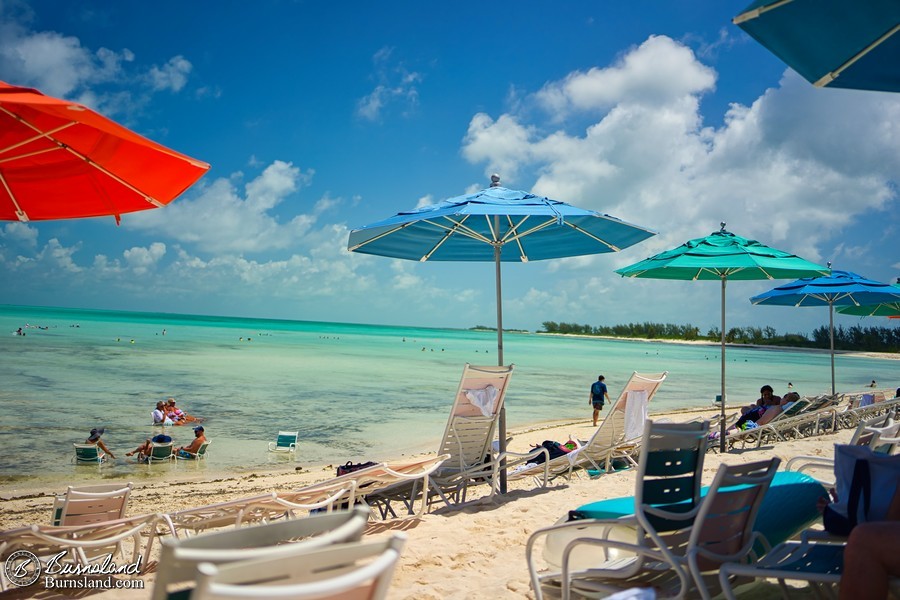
x=496 y=225
x=835 y=43
x=721 y=256
x=468 y=228
x=841 y=288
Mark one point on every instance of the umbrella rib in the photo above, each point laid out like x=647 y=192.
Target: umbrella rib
x=444 y=238
x=593 y=237
x=832 y=75
x=380 y=235
x=513 y=228
x=459 y=227
x=756 y=12
x=28 y=155
x=41 y=134
x=20 y=214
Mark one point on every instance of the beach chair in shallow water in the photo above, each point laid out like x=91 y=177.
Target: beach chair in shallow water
x=340 y=571
x=88 y=454
x=199 y=455
x=178 y=559
x=82 y=545
x=91 y=504
x=286 y=442
x=159 y=453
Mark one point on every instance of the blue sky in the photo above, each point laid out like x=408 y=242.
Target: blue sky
x=321 y=117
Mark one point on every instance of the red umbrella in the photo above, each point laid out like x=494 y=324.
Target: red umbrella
x=61 y=160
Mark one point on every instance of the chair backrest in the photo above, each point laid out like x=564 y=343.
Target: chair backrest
x=346 y=571
x=160 y=451
x=178 y=559
x=724 y=526
x=86 y=505
x=287 y=440
x=88 y=453
x=667 y=487
x=474 y=415
x=201 y=451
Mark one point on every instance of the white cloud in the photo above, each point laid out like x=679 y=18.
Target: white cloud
x=142 y=260
x=171 y=76
x=19 y=234
x=395 y=85
x=221 y=219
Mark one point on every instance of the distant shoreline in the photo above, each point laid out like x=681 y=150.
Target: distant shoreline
x=878 y=355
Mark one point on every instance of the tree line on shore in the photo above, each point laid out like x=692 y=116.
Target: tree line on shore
x=856 y=338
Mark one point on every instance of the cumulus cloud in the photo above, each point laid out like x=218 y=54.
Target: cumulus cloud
x=794 y=169
x=223 y=218
x=171 y=76
x=395 y=85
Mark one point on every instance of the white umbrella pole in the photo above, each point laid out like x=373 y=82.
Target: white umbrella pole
x=722 y=403
x=502 y=422
x=831 y=332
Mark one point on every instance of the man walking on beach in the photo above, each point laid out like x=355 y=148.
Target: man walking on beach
x=598 y=393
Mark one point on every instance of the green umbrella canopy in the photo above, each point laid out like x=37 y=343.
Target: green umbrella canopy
x=885 y=309
x=722 y=256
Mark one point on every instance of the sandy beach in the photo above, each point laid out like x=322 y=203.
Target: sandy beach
x=475 y=552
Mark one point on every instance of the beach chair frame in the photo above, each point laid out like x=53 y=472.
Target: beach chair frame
x=200 y=454
x=88 y=454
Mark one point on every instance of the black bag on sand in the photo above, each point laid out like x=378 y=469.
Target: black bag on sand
x=350 y=467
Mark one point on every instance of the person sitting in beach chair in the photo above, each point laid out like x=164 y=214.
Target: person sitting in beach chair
x=756 y=413
x=190 y=451
x=144 y=449
x=159 y=415
x=176 y=414
x=94 y=438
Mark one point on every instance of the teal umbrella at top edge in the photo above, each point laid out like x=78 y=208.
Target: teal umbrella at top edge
x=496 y=225
x=721 y=256
x=853 y=44
x=841 y=289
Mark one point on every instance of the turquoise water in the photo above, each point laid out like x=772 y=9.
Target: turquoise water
x=353 y=391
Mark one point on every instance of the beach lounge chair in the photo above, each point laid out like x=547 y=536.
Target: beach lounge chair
x=615 y=439
x=91 y=504
x=232 y=513
x=286 y=442
x=468 y=440
x=198 y=455
x=82 y=544
x=678 y=540
x=341 y=571
x=159 y=453
x=88 y=454
x=669 y=473
x=178 y=559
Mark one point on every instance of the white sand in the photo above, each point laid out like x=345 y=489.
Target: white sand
x=475 y=552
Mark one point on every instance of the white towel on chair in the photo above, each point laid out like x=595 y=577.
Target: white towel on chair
x=483 y=400
x=635 y=413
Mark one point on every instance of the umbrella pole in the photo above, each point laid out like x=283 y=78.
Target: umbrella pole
x=502 y=421
x=831 y=333
x=722 y=403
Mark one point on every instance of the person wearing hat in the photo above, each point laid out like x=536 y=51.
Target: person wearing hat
x=176 y=414
x=94 y=438
x=144 y=449
x=191 y=449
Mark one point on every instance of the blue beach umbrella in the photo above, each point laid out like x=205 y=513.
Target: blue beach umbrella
x=851 y=44
x=496 y=225
x=841 y=288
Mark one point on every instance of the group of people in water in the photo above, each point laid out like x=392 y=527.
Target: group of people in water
x=166 y=413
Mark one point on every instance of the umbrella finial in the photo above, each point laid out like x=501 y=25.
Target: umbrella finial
x=722 y=225
x=828 y=264
x=495 y=180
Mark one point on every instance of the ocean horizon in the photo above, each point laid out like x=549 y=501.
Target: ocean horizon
x=353 y=391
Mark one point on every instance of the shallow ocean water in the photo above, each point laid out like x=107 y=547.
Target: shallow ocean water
x=353 y=391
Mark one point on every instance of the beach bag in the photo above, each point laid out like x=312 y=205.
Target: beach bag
x=554 y=449
x=350 y=467
x=865 y=483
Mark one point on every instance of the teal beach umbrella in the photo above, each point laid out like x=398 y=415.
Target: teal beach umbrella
x=840 y=288
x=496 y=225
x=882 y=309
x=851 y=44
x=721 y=256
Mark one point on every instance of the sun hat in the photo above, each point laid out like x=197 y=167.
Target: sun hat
x=96 y=433
x=199 y=428
x=161 y=438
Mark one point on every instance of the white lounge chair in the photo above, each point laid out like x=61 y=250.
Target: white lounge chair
x=341 y=571
x=178 y=559
x=91 y=504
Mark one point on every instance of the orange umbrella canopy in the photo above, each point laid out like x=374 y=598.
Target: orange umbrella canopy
x=61 y=160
